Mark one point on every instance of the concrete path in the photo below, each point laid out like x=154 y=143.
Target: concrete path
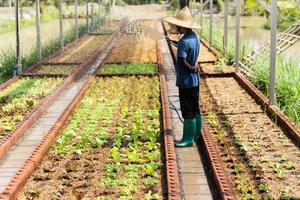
x=194 y=181
x=16 y=157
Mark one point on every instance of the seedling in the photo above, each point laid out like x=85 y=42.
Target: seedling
x=279 y=171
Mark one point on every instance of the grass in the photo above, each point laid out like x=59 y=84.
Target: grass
x=287 y=84
x=8 y=58
x=130 y=68
x=49 y=14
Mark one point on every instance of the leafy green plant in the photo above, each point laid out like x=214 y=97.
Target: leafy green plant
x=20 y=98
x=278 y=168
x=129 y=68
x=115 y=154
x=151 y=196
x=150 y=168
x=150 y=181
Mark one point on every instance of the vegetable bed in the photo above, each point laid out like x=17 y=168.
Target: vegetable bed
x=20 y=98
x=129 y=68
x=110 y=149
x=81 y=50
x=53 y=69
x=132 y=48
x=263 y=163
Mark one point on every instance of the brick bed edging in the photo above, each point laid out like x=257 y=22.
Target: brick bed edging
x=12 y=137
x=16 y=184
x=221 y=179
x=173 y=184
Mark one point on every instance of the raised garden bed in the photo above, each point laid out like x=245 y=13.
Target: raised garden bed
x=108 y=28
x=261 y=160
x=132 y=48
x=80 y=51
x=48 y=69
x=22 y=97
x=110 y=149
x=129 y=68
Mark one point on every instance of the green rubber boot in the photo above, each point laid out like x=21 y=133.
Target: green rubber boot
x=189 y=130
x=199 y=125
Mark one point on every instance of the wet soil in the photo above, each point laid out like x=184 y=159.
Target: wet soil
x=135 y=45
x=80 y=51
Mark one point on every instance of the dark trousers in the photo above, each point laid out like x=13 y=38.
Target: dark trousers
x=189 y=102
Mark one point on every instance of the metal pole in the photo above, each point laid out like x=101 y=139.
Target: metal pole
x=76 y=20
x=61 y=25
x=272 y=96
x=194 y=7
x=87 y=15
x=38 y=30
x=92 y=15
x=201 y=15
x=10 y=10
x=18 y=67
x=210 y=21
x=225 y=28
x=237 y=36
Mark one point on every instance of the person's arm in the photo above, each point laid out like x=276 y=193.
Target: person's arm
x=173 y=42
x=182 y=62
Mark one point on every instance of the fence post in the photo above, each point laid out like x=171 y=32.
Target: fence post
x=87 y=16
x=76 y=20
x=18 y=67
x=201 y=16
x=273 y=46
x=92 y=15
x=61 y=24
x=210 y=21
x=226 y=28
x=10 y=10
x=38 y=30
x=237 y=39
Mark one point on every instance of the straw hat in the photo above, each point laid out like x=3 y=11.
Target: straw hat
x=183 y=18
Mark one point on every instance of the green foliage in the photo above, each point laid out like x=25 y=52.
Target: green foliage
x=287 y=84
x=20 y=98
x=120 y=3
x=251 y=8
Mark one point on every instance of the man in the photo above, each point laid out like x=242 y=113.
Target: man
x=187 y=76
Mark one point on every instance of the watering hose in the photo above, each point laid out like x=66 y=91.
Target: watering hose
x=174 y=107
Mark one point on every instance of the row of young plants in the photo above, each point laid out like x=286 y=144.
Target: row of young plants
x=287 y=76
x=8 y=58
x=129 y=68
x=20 y=98
x=110 y=149
x=53 y=69
x=251 y=145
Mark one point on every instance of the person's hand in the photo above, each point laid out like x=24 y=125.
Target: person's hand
x=196 y=68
